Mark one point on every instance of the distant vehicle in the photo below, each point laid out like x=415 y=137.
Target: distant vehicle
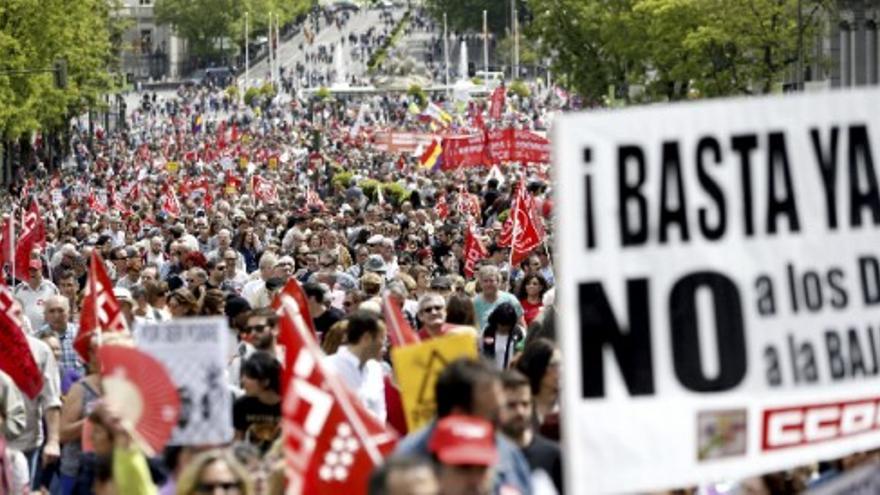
x=339 y=5
x=385 y=4
x=490 y=79
x=217 y=76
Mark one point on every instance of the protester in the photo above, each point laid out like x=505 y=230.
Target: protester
x=541 y=361
x=472 y=388
x=502 y=335
x=357 y=361
x=466 y=455
x=214 y=471
x=490 y=296
x=404 y=476
x=533 y=286
x=517 y=424
x=257 y=416
x=34 y=293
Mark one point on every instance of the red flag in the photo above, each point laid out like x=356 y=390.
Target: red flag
x=39 y=226
x=7 y=241
x=286 y=340
x=26 y=244
x=233 y=134
x=506 y=236
x=469 y=204
x=170 y=203
x=16 y=359
x=474 y=251
x=100 y=309
x=496 y=107
x=96 y=205
x=526 y=234
x=134 y=194
x=399 y=331
x=441 y=208
x=331 y=442
x=264 y=189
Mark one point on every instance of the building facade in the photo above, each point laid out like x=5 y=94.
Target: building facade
x=150 y=51
x=847 y=53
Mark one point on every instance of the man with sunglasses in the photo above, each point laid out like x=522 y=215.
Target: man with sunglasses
x=260 y=329
x=432 y=315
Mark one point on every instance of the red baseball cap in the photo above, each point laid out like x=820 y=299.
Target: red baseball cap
x=35 y=264
x=464 y=440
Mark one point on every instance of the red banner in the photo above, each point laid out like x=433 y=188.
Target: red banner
x=463 y=151
x=402 y=142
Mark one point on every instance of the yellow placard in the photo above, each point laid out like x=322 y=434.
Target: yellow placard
x=417 y=367
x=243 y=162
x=172 y=167
x=230 y=190
x=273 y=163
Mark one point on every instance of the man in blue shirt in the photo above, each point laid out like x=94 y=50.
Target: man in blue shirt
x=472 y=387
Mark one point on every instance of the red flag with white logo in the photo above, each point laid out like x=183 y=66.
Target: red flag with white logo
x=441 y=208
x=100 y=309
x=526 y=235
x=286 y=339
x=331 y=442
x=474 y=251
x=16 y=359
x=264 y=189
x=27 y=242
x=170 y=203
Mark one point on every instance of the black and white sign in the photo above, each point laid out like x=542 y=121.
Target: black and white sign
x=720 y=297
x=194 y=352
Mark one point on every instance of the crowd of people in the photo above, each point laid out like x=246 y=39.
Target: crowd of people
x=170 y=203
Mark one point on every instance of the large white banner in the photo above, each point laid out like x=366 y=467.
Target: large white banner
x=194 y=351
x=720 y=291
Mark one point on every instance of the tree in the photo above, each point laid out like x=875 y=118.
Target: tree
x=78 y=32
x=467 y=15
x=205 y=24
x=674 y=47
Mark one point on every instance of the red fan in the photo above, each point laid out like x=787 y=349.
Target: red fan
x=139 y=389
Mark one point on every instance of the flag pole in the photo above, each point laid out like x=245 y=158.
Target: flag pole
x=12 y=241
x=485 y=45
x=513 y=208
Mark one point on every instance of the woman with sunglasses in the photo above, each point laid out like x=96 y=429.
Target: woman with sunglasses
x=213 y=472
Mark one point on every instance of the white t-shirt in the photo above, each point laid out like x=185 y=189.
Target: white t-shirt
x=366 y=382
x=32 y=300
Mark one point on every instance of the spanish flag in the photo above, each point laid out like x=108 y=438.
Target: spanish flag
x=197 y=124
x=432 y=157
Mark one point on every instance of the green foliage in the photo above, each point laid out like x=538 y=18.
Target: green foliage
x=519 y=88
x=342 y=180
x=395 y=192
x=381 y=54
x=214 y=28
x=250 y=94
x=323 y=93
x=467 y=15
x=369 y=186
x=268 y=90
x=232 y=92
x=36 y=33
x=673 y=49
x=415 y=91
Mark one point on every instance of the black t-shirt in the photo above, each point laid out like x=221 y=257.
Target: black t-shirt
x=544 y=454
x=327 y=319
x=261 y=423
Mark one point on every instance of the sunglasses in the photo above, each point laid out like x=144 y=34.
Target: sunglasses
x=431 y=309
x=233 y=487
x=255 y=328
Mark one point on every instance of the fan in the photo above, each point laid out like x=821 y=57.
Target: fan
x=139 y=389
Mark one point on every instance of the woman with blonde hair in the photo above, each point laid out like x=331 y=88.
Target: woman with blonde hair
x=213 y=470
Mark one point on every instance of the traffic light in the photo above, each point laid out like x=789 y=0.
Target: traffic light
x=60 y=72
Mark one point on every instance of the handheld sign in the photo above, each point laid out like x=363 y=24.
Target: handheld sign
x=417 y=367
x=720 y=302
x=193 y=351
